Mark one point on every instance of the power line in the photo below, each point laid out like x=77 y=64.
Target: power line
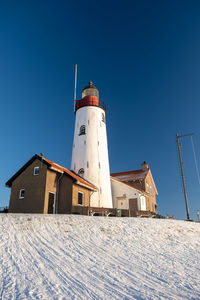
x=195 y=159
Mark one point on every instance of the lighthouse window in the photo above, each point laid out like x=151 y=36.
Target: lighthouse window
x=103 y=117
x=82 y=130
x=81 y=171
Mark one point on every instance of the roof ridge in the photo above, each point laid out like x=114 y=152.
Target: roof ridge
x=133 y=171
x=71 y=173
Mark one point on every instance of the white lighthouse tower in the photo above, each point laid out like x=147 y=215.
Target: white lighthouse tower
x=90 y=150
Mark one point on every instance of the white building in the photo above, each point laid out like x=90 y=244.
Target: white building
x=127 y=197
x=90 y=150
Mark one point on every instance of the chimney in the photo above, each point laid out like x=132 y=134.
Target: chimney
x=145 y=166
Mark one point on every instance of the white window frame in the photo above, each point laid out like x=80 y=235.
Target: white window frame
x=79 y=192
x=34 y=173
x=20 y=192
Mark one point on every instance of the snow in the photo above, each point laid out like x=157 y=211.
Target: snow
x=80 y=257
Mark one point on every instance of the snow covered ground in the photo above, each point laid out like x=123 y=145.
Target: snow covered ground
x=80 y=257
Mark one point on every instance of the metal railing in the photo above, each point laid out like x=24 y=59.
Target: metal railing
x=4 y=209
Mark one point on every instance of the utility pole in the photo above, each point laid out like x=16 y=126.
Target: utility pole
x=182 y=174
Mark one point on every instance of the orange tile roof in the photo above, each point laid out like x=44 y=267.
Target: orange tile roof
x=72 y=174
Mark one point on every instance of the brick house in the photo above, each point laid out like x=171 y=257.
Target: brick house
x=42 y=186
x=141 y=180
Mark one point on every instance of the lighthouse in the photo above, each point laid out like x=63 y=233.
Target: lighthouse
x=90 y=150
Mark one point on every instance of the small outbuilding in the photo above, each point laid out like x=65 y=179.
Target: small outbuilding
x=141 y=200
x=42 y=186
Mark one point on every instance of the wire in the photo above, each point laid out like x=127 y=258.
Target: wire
x=195 y=160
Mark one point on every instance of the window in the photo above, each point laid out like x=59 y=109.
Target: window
x=36 y=171
x=21 y=194
x=103 y=118
x=82 y=130
x=87 y=164
x=81 y=171
x=80 y=198
x=147 y=188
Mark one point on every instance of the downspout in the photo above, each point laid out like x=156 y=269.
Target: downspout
x=89 y=200
x=57 y=193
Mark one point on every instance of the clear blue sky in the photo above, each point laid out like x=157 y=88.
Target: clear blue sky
x=144 y=56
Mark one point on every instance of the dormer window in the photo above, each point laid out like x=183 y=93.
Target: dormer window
x=82 y=130
x=81 y=172
x=36 y=171
x=103 y=118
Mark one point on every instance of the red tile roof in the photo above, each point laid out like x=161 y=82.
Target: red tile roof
x=131 y=175
x=57 y=167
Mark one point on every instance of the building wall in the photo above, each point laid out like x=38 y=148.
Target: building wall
x=90 y=152
x=151 y=196
x=151 y=199
x=77 y=188
x=34 y=186
x=51 y=186
x=121 y=191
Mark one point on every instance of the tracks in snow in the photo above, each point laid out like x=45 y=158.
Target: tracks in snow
x=78 y=257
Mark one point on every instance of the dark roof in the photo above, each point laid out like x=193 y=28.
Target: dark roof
x=131 y=175
x=90 y=86
x=54 y=166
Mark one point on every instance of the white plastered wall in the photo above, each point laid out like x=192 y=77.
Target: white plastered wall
x=90 y=152
x=121 y=190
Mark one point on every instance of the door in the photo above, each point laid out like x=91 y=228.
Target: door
x=133 y=204
x=51 y=204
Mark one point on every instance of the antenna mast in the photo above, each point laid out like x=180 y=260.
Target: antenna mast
x=75 y=84
x=182 y=174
